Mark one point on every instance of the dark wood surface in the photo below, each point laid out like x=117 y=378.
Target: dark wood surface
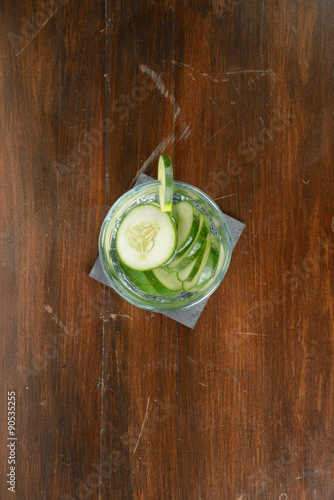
x=116 y=403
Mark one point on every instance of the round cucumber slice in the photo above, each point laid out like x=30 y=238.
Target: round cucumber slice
x=195 y=274
x=165 y=283
x=165 y=176
x=146 y=238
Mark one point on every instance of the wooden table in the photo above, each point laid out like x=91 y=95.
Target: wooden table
x=116 y=403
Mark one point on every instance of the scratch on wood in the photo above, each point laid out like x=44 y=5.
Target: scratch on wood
x=271 y=137
x=227 y=73
x=158 y=150
x=214 y=135
x=117 y=366
x=186 y=131
x=115 y=316
x=250 y=333
x=112 y=316
x=236 y=88
x=122 y=439
x=142 y=427
x=204 y=75
x=191 y=359
x=35 y=34
x=250 y=71
x=55 y=318
x=176 y=113
x=295 y=326
x=156 y=79
x=222 y=197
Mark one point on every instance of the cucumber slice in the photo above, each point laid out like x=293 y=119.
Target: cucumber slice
x=180 y=263
x=188 y=218
x=191 y=270
x=195 y=275
x=210 y=266
x=165 y=283
x=199 y=259
x=205 y=277
x=183 y=275
x=183 y=211
x=165 y=175
x=146 y=238
x=215 y=251
x=139 y=279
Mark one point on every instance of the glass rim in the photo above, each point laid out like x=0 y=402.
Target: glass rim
x=149 y=303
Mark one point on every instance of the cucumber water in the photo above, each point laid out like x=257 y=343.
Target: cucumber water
x=165 y=247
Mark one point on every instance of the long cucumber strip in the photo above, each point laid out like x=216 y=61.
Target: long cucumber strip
x=190 y=283
x=165 y=283
x=198 y=260
x=210 y=266
x=183 y=275
x=165 y=176
x=183 y=211
x=188 y=220
x=139 y=279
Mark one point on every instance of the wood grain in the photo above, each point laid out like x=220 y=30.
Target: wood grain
x=114 y=402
